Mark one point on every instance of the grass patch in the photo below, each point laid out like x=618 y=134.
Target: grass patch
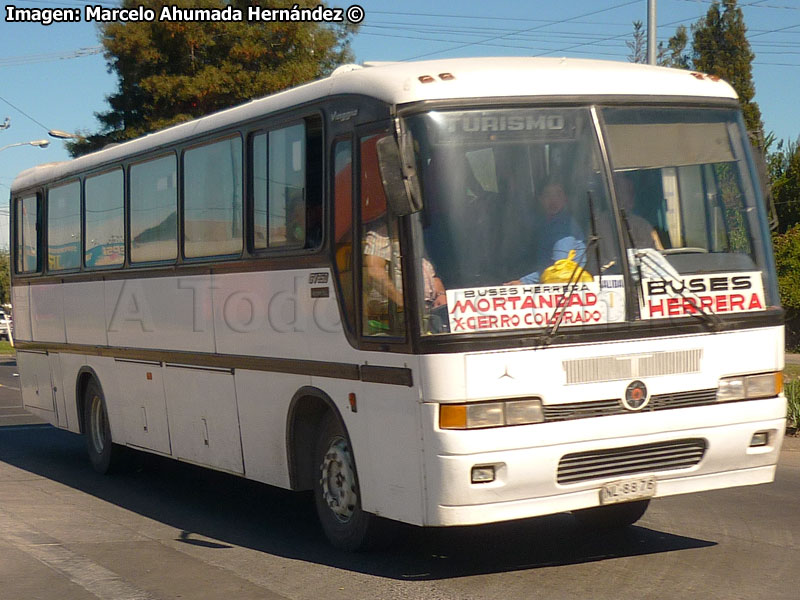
x=792 y=390
x=6 y=347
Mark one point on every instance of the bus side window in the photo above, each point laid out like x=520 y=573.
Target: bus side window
x=64 y=226
x=287 y=190
x=343 y=225
x=382 y=280
x=154 y=209
x=104 y=245
x=27 y=230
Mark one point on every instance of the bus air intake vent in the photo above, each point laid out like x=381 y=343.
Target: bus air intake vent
x=618 y=462
x=632 y=366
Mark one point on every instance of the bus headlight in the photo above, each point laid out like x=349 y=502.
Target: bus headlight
x=750 y=387
x=479 y=415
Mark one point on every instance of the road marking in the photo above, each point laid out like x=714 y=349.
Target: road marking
x=9 y=387
x=97 y=580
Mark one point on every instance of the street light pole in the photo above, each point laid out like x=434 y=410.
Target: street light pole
x=651 y=32
x=6 y=124
x=63 y=135
x=37 y=143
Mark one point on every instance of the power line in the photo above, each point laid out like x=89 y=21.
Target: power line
x=27 y=59
x=526 y=30
x=22 y=112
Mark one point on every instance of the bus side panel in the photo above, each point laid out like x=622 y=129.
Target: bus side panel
x=263 y=405
x=386 y=438
x=71 y=364
x=22 y=312
x=161 y=313
x=144 y=407
x=263 y=314
x=47 y=313
x=58 y=389
x=37 y=393
x=84 y=313
x=203 y=418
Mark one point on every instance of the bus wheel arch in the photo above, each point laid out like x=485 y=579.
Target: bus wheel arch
x=321 y=459
x=85 y=375
x=307 y=409
x=104 y=454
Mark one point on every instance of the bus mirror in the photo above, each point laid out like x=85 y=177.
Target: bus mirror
x=399 y=178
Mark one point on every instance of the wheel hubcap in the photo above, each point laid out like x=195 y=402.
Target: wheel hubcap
x=339 y=480
x=98 y=425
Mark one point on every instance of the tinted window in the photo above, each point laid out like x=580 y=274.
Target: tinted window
x=64 y=226
x=212 y=180
x=104 y=243
x=153 y=206
x=287 y=176
x=27 y=240
x=259 y=148
x=343 y=223
x=382 y=280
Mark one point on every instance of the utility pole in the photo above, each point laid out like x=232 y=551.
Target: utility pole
x=651 y=32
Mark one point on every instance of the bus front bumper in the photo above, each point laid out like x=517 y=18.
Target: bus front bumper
x=525 y=460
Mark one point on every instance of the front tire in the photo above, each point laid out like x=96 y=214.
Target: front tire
x=612 y=516
x=337 y=493
x=104 y=455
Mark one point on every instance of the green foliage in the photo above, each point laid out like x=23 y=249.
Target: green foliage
x=169 y=72
x=5 y=277
x=787 y=261
x=784 y=173
x=637 y=46
x=720 y=47
x=792 y=391
x=675 y=54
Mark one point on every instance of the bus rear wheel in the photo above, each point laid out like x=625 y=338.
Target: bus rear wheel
x=612 y=516
x=336 y=491
x=103 y=453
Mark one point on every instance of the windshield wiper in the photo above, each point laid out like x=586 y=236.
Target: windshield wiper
x=561 y=305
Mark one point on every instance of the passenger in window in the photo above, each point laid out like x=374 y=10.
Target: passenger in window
x=383 y=274
x=642 y=233
x=556 y=234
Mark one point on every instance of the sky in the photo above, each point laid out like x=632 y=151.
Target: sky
x=53 y=77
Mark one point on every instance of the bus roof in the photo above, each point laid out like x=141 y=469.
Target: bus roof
x=403 y=82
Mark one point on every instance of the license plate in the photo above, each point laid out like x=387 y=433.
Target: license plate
x=626 y=490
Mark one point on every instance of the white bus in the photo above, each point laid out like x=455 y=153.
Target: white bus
x=448 y=292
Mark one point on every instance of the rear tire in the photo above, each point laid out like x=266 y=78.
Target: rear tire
x=104 y=455
x=613 y=516
x=337 y=494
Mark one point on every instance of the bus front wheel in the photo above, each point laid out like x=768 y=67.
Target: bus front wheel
x=103 y=453
x=612 y=516
x=336 y=491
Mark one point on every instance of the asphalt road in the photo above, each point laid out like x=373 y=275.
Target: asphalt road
x=161 y=529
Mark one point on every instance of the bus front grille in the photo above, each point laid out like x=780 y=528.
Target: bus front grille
x=619 y=462
x=604 y=408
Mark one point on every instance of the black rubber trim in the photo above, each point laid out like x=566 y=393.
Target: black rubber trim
x=313 y=368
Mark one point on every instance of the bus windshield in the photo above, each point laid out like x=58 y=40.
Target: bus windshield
x=519 y=228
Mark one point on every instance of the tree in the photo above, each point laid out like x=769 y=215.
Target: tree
x=720 y=47
x=5 y=277
x=675 y=54
x=784 y=173
x=173 y=71
x=787 y=261
x=637 y=46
